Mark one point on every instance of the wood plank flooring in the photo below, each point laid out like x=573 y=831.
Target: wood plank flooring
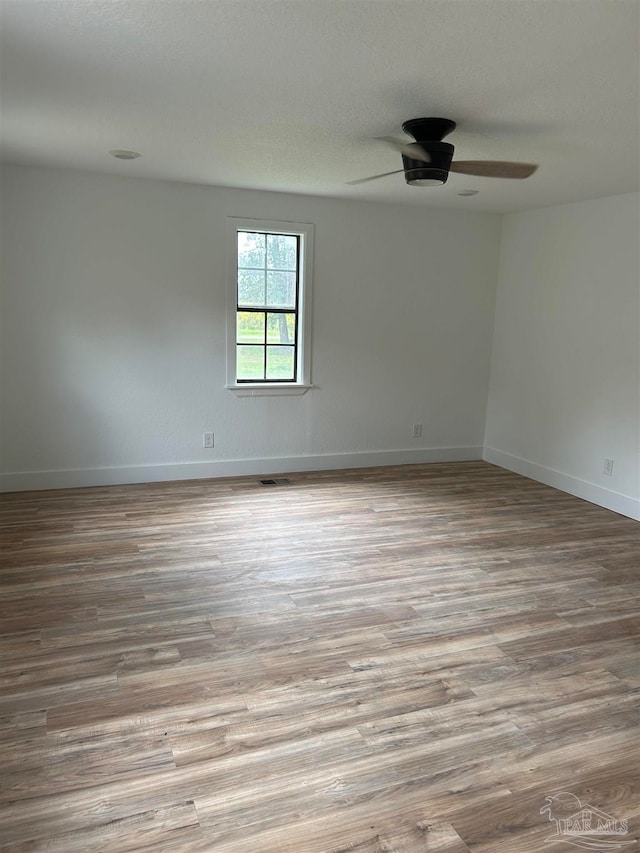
x=389 y=660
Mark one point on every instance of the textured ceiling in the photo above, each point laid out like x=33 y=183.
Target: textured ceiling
x=290 y=95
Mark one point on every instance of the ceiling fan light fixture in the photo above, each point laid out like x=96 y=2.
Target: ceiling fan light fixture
x=427 y=180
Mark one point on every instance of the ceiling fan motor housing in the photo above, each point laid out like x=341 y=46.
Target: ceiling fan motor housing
x=419 y=173
x=429 y=133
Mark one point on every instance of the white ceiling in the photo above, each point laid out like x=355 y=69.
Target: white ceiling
x=289 y=95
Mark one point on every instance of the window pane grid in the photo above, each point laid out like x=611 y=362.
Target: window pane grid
x=267 y=328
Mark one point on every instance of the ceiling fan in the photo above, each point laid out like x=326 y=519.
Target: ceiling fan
x=428 y=161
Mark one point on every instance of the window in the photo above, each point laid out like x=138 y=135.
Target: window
x=268 y=321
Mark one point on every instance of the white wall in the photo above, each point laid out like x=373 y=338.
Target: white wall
x=565 y=371
x=114 y=312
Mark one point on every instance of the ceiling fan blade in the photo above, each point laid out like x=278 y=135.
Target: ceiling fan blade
x=374 y=177
x=493 y=168
x=409 y=149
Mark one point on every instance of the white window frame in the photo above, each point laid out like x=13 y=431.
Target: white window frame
x=303 y=230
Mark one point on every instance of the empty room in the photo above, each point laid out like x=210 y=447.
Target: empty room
x=319 y=426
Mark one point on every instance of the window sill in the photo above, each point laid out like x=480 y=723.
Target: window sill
x=268 y=390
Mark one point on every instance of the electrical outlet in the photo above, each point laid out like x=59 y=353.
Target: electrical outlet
x=607 y=468
x=207 y=440
x=417 y=431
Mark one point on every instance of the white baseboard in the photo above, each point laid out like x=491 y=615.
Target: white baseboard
x=72 y=478
x=591 y=492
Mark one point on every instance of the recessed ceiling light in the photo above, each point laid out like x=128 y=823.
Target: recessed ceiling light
x=468 y=192
x=124 y=155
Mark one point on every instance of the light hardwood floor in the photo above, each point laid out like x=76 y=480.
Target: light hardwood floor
x=391 y=660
